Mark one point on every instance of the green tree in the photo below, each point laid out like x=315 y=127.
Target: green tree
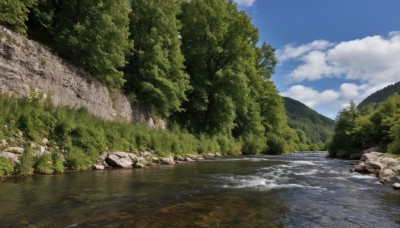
x=14 y=14
x=155 y=73
x=93 y=34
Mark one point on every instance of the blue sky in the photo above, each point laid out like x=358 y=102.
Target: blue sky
x=330 y=51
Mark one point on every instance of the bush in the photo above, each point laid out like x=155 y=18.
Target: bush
x=58 y=162
x=6 y=167
x=26 y=166
x=253 y=145
x=77 y=160
x=276 y=145
x=44 y=164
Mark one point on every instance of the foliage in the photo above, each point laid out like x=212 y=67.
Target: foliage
x=93 y=34
x=6 y=167
x=317 y=129
x=155 y=72
x=14 y=14
x=44 y=164
x=357 y=130
x=27 y=161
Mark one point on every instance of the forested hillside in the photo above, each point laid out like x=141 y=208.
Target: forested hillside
x=317 y=128
x=380 y=96
x=357 y=130
x=198 y=64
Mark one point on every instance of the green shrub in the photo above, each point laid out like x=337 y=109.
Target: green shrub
x=253 y=145
x=6 y=167
x=276 y=145
x=77 y=160
x=27 y=162
x=44 y=164
x=58 y=162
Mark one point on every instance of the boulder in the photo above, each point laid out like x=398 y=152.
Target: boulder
x=18 y=150
x=180 y=158
x=358 y=168
x=139 y=165
x=396 y=169
x=376 y=164
x=98 y=167
x=370 y=155
x=101 y=160
x=386 y=172
x=167 y=160
x=13 y=158
x=119 y=159
x=396 y=186
x=188 y=159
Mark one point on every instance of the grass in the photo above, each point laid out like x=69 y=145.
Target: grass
x=77 y=138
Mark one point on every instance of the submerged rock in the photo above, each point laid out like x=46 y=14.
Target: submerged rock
x=139 y=165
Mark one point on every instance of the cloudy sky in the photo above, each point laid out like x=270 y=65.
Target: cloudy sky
x=330 y=52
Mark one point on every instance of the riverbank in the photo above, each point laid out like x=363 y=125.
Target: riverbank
x=382 y=165
x=37 y=137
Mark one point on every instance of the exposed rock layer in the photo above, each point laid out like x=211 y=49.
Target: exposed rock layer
x=26 y=67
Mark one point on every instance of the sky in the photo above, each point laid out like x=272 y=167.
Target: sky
x=330 y=52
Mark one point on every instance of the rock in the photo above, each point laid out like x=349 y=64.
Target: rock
x=13 y=158
x=370 y=155
x=396 y=169
x=147 y=154
x=3 y=143
x=180 y=158
x=376 y=164
x=167 y=160
x=102 y=160
x=155 y=159
x=18 y=150
x=386 y=172
x=45 y=141
x=189 y=159
x=119 y=159
x=98 y=167
x=358 y=168
x=139 y=165
x=396 y=186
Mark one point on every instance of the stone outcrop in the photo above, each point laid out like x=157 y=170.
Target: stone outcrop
x=383 y=166
x=139 y=160
x=13 y=158
x=27 y=68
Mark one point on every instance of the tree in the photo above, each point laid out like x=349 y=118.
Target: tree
x=155 y=73
x=14 y=14
x=93 y=34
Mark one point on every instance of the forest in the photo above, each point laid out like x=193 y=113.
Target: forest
x=198 y=64
x=372 y=125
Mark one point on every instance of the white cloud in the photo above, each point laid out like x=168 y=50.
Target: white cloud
x=373 y=60
x=244 y=2
x=331 y=100
x=309 y=96
x=291 y=51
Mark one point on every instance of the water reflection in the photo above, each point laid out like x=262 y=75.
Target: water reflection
x=312 y=192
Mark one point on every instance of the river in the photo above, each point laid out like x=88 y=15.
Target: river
x=300 y=190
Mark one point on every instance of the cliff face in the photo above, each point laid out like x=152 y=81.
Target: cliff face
x=26 y=67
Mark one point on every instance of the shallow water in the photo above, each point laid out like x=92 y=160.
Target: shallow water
x=301 y=190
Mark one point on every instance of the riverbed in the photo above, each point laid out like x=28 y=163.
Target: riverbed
x=300 y=190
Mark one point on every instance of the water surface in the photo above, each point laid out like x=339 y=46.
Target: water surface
x=301 y=190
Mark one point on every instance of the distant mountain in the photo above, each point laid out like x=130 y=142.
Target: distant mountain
x=380 y=96
x=316 y=127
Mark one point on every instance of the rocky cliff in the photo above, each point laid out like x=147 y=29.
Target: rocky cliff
x=26 y=67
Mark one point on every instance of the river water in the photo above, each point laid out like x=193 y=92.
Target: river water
x=300 y=190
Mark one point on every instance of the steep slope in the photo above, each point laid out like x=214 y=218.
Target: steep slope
x=380 y=96
x=317 y=127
